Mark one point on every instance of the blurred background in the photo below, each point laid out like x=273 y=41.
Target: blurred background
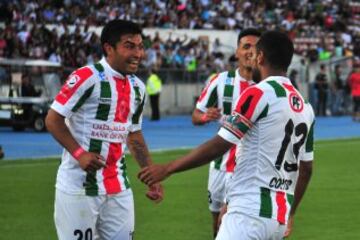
x=186 y=41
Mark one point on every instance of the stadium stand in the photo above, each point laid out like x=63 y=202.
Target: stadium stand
x=321 y=30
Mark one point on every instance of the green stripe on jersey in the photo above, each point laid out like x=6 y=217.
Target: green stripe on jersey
x=124 y=169
x=228 y=93
x=137 y=94
x=212 y=99
x=310 y=139
x=242 y=127
x=104 y=108
x=91 y=187
x=266 y=204
x=137 y=114
x=227 y=108
x=279 y=90
x=218 y=162
x=263 y=113
x=290 y=198
x=231 y=73
x=83 y=98
x=99 y=67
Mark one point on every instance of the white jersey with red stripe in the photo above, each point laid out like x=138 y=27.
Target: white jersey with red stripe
x=101 y=107
x=275 y=126
x=222 y=91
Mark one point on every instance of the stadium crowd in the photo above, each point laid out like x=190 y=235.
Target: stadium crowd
x=37 y=29
x=320 y=29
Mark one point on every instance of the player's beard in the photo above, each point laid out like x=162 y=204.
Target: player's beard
x=256 y=75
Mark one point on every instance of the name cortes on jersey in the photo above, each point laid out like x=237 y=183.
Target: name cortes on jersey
x=101 y=107
x=221 y=91
x=275 y=126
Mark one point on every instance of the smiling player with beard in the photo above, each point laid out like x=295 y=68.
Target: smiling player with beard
x=97 y=113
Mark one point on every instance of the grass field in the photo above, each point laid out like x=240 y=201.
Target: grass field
x=330 y=210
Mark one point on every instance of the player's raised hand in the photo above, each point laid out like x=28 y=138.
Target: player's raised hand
x=153 y=174
x=155 y=193
x=89 y=161
x=213 y=113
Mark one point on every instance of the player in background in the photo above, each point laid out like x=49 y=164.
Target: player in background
x=218 y=99
x=275 y=126
x=97 y=113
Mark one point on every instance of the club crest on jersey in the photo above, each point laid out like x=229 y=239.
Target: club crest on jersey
x=102 y=76
x=132 y=80
x=228 y=81
x=73 y=79
x=296 y=102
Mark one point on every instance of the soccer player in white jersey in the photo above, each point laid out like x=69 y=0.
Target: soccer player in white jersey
x=97 y=113
x=275 y=164
x=218 y=99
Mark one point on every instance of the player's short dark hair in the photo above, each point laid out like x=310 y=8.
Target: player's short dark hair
x=277 y=48
x=114 y=29
x=248 y=32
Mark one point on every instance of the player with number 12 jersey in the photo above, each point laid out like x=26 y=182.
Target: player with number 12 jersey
x=281 y=124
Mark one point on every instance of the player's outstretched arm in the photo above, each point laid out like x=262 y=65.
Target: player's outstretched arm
x=305 y=172
x=201 y=155
x=139 y=150
x=200 y=118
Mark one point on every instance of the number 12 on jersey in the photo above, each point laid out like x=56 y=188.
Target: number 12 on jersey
x=300 y=131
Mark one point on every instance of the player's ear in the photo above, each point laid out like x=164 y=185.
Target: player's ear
x=260 y=58
x=108 y=49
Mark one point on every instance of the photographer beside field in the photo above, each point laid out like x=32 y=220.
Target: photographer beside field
x=275 y=127
x=97 y=113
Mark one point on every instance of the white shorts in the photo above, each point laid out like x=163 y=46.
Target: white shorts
x=217 y=188
x=101 y=217
x=237 y=225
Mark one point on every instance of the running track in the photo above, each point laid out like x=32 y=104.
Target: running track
x=168 y=133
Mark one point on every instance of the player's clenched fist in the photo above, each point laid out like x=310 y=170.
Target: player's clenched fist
x=155 y=193
x=89 y=161
x=213 y=113
x=153 y=174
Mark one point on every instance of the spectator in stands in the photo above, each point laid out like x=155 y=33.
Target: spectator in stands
x=313 y=28
x=337 y=91
x=321 y=85
x=293 y=78
x=27 y=88
x=354 y=83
